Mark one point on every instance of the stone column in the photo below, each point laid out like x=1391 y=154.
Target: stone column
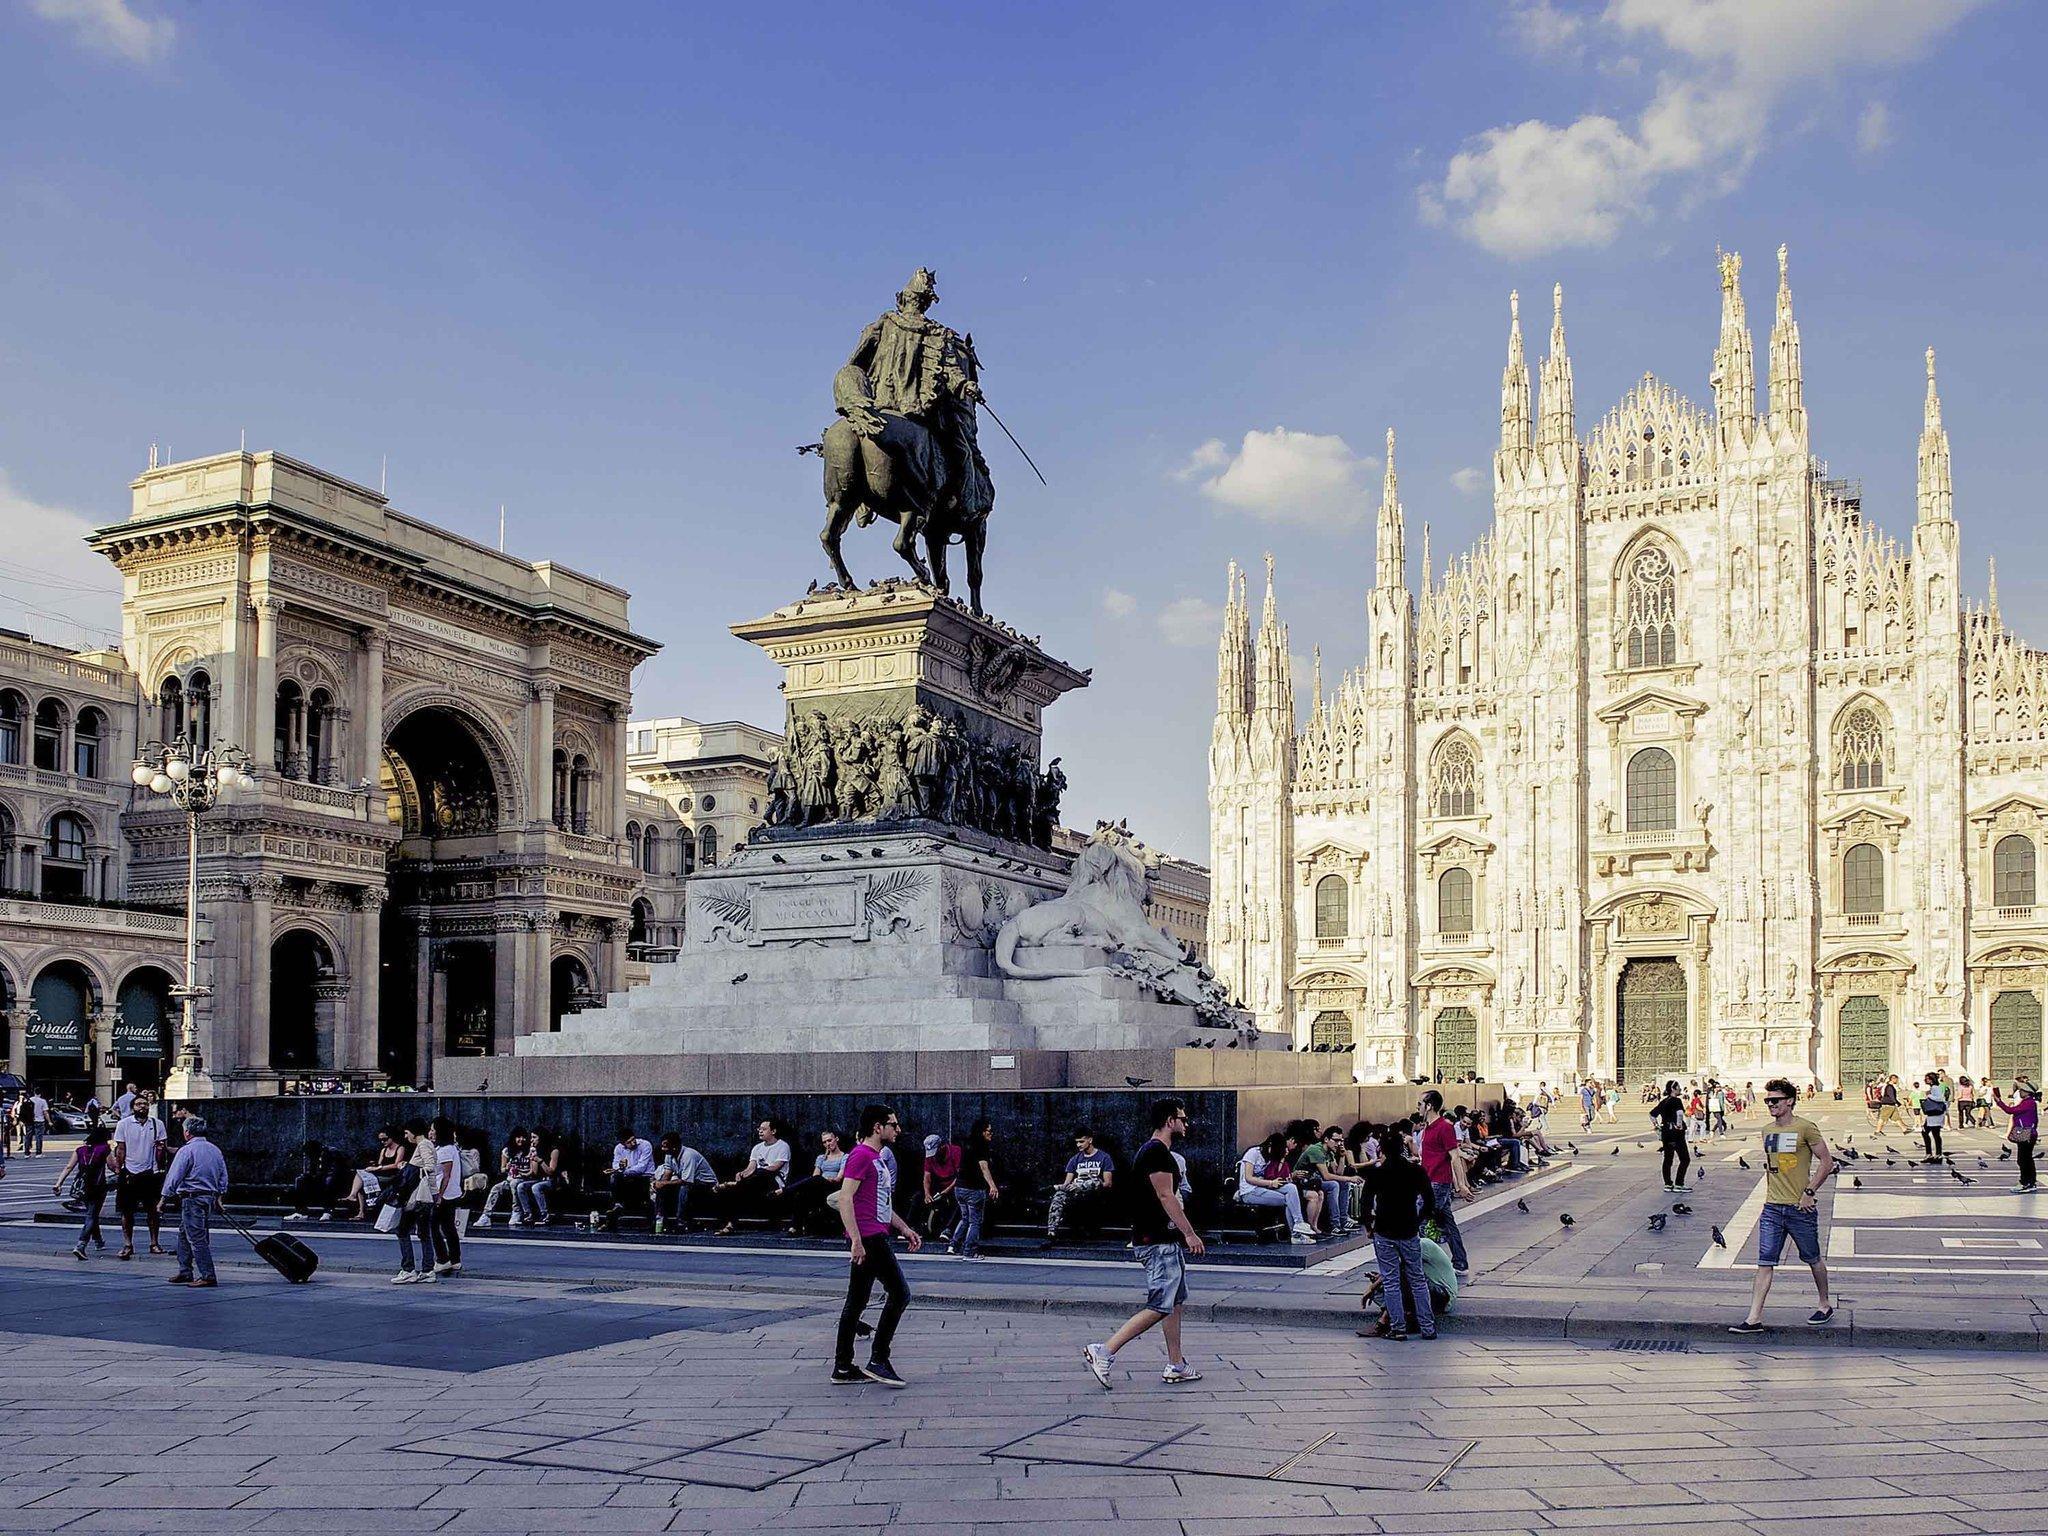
x=510 y=1003
x=614 y=979
x=540 y=978
x=540 y=768
x=330 y=1003
x=617 y=714
x=359 y=1054
x=263 y=893
x=17 y=1039
x=371 y=759
x=257 y=726
x=425 y=1019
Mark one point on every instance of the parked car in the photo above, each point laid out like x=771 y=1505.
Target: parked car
x=67 y=1117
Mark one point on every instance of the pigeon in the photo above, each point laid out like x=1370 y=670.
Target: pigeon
x=1564 y=1219
x=1136 y=1082
x=1719 y=1240
x=2005 y=1152
x=1681 y=1209
x=1233 y=1045
x=1742 y=1162
x=1891 y=1162
x=776 y=858
x=1982 y=1164
x=812 y=587
x=1855 y=1182
x=828 y=858
x=853 y=853
x=484 y=1086
x=1960 y=1177
x=1657 y=1220
x=1195 y=1045
x=1522 y=1206
x=876 y=853
x=1614 y=1151
x=1700 y=1176
x=743 y=975
x=1574 y=1146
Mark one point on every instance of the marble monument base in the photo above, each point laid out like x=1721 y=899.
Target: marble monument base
x=850 y=940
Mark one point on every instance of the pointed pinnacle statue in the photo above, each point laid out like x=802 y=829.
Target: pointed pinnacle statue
x=904 y=447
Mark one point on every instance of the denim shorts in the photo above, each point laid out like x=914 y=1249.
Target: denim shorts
x=1780 y=1222
x=1166 y=1275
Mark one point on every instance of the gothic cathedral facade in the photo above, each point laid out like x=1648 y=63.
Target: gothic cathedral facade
x=1684 y=768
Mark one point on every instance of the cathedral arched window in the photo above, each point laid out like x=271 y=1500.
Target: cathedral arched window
x=1333 y=904
x=1652 y=610
x=1652 y=791
x=1863 y=879
x=1859 y=749
x=1454 y=779
x=1454 y=901
x=2012 y=872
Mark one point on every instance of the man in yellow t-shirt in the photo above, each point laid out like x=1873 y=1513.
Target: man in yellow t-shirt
x=1793 y=1150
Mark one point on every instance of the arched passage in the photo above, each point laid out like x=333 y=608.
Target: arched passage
x=143 y=1019
x=569 y=984
x=62 y=999
x=300 y=963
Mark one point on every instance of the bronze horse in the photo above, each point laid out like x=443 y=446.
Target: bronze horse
x=900 y=473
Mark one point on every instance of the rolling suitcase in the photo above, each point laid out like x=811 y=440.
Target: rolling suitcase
x=280 y=1250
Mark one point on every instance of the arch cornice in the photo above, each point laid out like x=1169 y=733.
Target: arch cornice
x=506 y=762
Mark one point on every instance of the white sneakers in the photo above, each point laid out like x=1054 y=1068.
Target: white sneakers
x=1099 y=1361
x=1304 y=1233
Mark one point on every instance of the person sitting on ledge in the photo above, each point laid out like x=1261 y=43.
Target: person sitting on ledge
x=515 y=1162
x=380 y=1173
x=530 y=1195
x=1264 y=1178
x=819 y=1190
x=767 y=1170
x=680 y=1173
x=1090 y=1172
x=632 y=1175
x=313 y=1191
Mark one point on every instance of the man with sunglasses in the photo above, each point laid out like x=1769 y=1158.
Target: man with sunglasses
x=1793 y=1146
x=867 y=1209
x=1162 y=1238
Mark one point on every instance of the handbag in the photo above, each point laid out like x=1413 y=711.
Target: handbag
x=387 y=1218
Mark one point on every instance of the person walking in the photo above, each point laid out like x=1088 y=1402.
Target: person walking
x=2025 y=1113
x=447 y=1213
x=1669 y=1118
x=139 y=1157
x=1793 y=1146
x=867 y=1211
x=1439 y=1144
x=1717 y=1107
x=1890 y=1111
x=1933 y=1115
x=976 y=1191
x=199 y=1181
x=1401 y=1197
x=1589 y=1099
x=416 y=1209
x=1163 y=1239
x=90 y=1160
x=36 y=1122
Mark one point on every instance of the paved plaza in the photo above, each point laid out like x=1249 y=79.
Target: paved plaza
x=1584 y=1380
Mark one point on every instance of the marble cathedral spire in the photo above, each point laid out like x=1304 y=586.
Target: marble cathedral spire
x=1734 y=375
x=1234 y=652
x=1556 y=428
x=1391 y=555
x=1788 y=382
x=1937 y=496
x=1514 y=386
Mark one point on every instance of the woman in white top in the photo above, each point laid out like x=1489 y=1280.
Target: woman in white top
x=1933 y=1115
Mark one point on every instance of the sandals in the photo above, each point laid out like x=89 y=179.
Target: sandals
x=126 y=1253
x=724 y=1231
x=157 y=1249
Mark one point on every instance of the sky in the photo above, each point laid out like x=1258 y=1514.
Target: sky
x=599 y=264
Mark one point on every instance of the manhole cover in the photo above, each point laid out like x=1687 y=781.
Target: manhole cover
x=601 y=1288
x=1654 y=1346
x=1365 y=1457
x=749 y=1456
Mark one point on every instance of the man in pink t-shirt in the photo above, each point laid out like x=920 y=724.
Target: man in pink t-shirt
x=867 y=1209
x=1438 y=1139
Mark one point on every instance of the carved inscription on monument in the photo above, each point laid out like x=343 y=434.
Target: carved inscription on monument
x=825 y=907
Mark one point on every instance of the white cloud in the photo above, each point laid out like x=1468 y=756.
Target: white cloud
x=1728 y=67
x=1467 y=480
x=1191 y=621
x=1117 y=603
x=1283 y=476
x=112 y=27
x=1874 y=128
x=51 y=585
x=1548 y=30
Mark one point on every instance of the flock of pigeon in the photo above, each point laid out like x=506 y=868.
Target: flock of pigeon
x=1847 y=1152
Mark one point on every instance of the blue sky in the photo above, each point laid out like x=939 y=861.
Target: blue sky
x=599 y=264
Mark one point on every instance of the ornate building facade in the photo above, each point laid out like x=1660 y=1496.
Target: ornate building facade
x=437 y=856
x=1685 y=767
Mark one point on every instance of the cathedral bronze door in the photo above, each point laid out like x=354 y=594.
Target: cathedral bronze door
x=1652 y=1026
x=2015 y=1037
x=1457 y=1044
x=1863 y=1042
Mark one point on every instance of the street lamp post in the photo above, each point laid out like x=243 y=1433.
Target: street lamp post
x=193 y=779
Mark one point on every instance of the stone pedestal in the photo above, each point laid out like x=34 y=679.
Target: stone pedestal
x=863 y=920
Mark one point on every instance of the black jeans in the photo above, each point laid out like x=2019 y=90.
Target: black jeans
x=446 y=1229
x=2026 y=1155
x=629 y=1190
x=1930 y=1138
x=878 y=1263
x=1674 y=1146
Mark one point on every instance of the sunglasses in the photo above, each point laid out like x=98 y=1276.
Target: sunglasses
x=1777 y=1101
